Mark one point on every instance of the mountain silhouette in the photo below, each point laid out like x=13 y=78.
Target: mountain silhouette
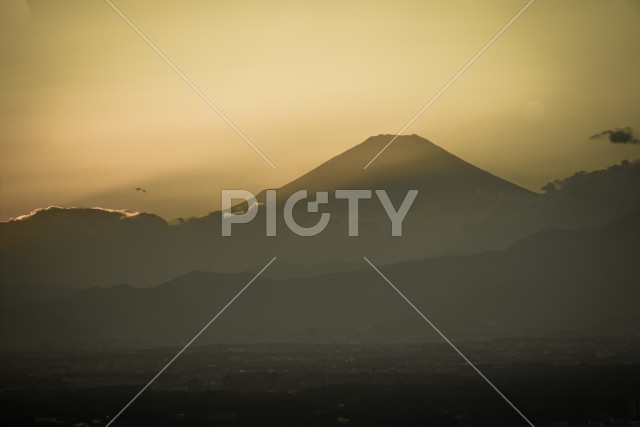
x=410 y=162
x=556 y=283
x=460 y=209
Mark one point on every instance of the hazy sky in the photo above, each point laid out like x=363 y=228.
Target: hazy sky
x=88 y=111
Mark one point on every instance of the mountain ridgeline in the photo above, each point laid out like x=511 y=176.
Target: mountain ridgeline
x=460 y=209
x=557 y=283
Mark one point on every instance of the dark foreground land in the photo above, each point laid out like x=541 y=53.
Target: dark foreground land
x=553 y=382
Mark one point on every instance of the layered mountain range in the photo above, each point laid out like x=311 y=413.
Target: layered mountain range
x=459 y=209
x=555 y=283
x=481 y=256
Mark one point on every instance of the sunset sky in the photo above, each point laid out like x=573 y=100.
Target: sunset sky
x=89 y=112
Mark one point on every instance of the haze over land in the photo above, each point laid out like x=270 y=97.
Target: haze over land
x=459 y=209
x=514 y=123
x=559 y=283
x=568 y=253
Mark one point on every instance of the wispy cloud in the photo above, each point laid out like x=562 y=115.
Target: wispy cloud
x=51 y=209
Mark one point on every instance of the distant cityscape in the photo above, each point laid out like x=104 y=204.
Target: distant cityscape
x=589 y=382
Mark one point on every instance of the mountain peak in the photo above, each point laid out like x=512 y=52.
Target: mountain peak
x=411 y=161
x=403 y=138
x=400 y=143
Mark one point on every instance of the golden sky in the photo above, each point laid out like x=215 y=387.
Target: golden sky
x=88 y=111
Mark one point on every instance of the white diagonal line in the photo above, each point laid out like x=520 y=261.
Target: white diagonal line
x=450 y=82
x=213 y=106
x=449 y=342
x=204 y=328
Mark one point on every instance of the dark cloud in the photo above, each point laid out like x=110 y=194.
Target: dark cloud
x=618 y=136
